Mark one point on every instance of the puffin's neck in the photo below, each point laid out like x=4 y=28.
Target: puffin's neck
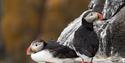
x=44 y=45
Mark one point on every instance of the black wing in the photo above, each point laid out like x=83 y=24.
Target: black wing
x=86 y=41
x=60 y=51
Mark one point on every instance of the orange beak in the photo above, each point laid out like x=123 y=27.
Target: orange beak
x=28 y=51
x=100 y=16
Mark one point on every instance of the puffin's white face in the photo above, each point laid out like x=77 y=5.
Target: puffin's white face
x=92 y=16
x=35 y=47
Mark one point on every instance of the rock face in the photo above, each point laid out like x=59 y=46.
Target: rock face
x=115 y=38
x=117 y=33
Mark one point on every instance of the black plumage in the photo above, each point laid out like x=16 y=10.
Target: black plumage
x=60 y=51
x=85 y=39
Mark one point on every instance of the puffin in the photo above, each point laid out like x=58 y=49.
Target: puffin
x=49 y=52
x=81 y=36
x=86 y=41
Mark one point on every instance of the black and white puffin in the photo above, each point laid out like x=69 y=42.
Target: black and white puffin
x=80 y=35
x=85 y=41
x=49 y=52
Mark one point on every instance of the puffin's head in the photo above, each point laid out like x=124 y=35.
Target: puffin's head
x=91 y=16
x=35 y=46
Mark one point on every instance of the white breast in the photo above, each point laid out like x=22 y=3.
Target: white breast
x=44 y=56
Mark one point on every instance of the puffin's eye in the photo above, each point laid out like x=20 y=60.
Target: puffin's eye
x=36 y=44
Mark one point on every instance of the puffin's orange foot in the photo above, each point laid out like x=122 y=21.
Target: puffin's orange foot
x=85 y=62
x=82 y=62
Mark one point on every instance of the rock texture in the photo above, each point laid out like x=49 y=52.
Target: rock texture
x=117 y=33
